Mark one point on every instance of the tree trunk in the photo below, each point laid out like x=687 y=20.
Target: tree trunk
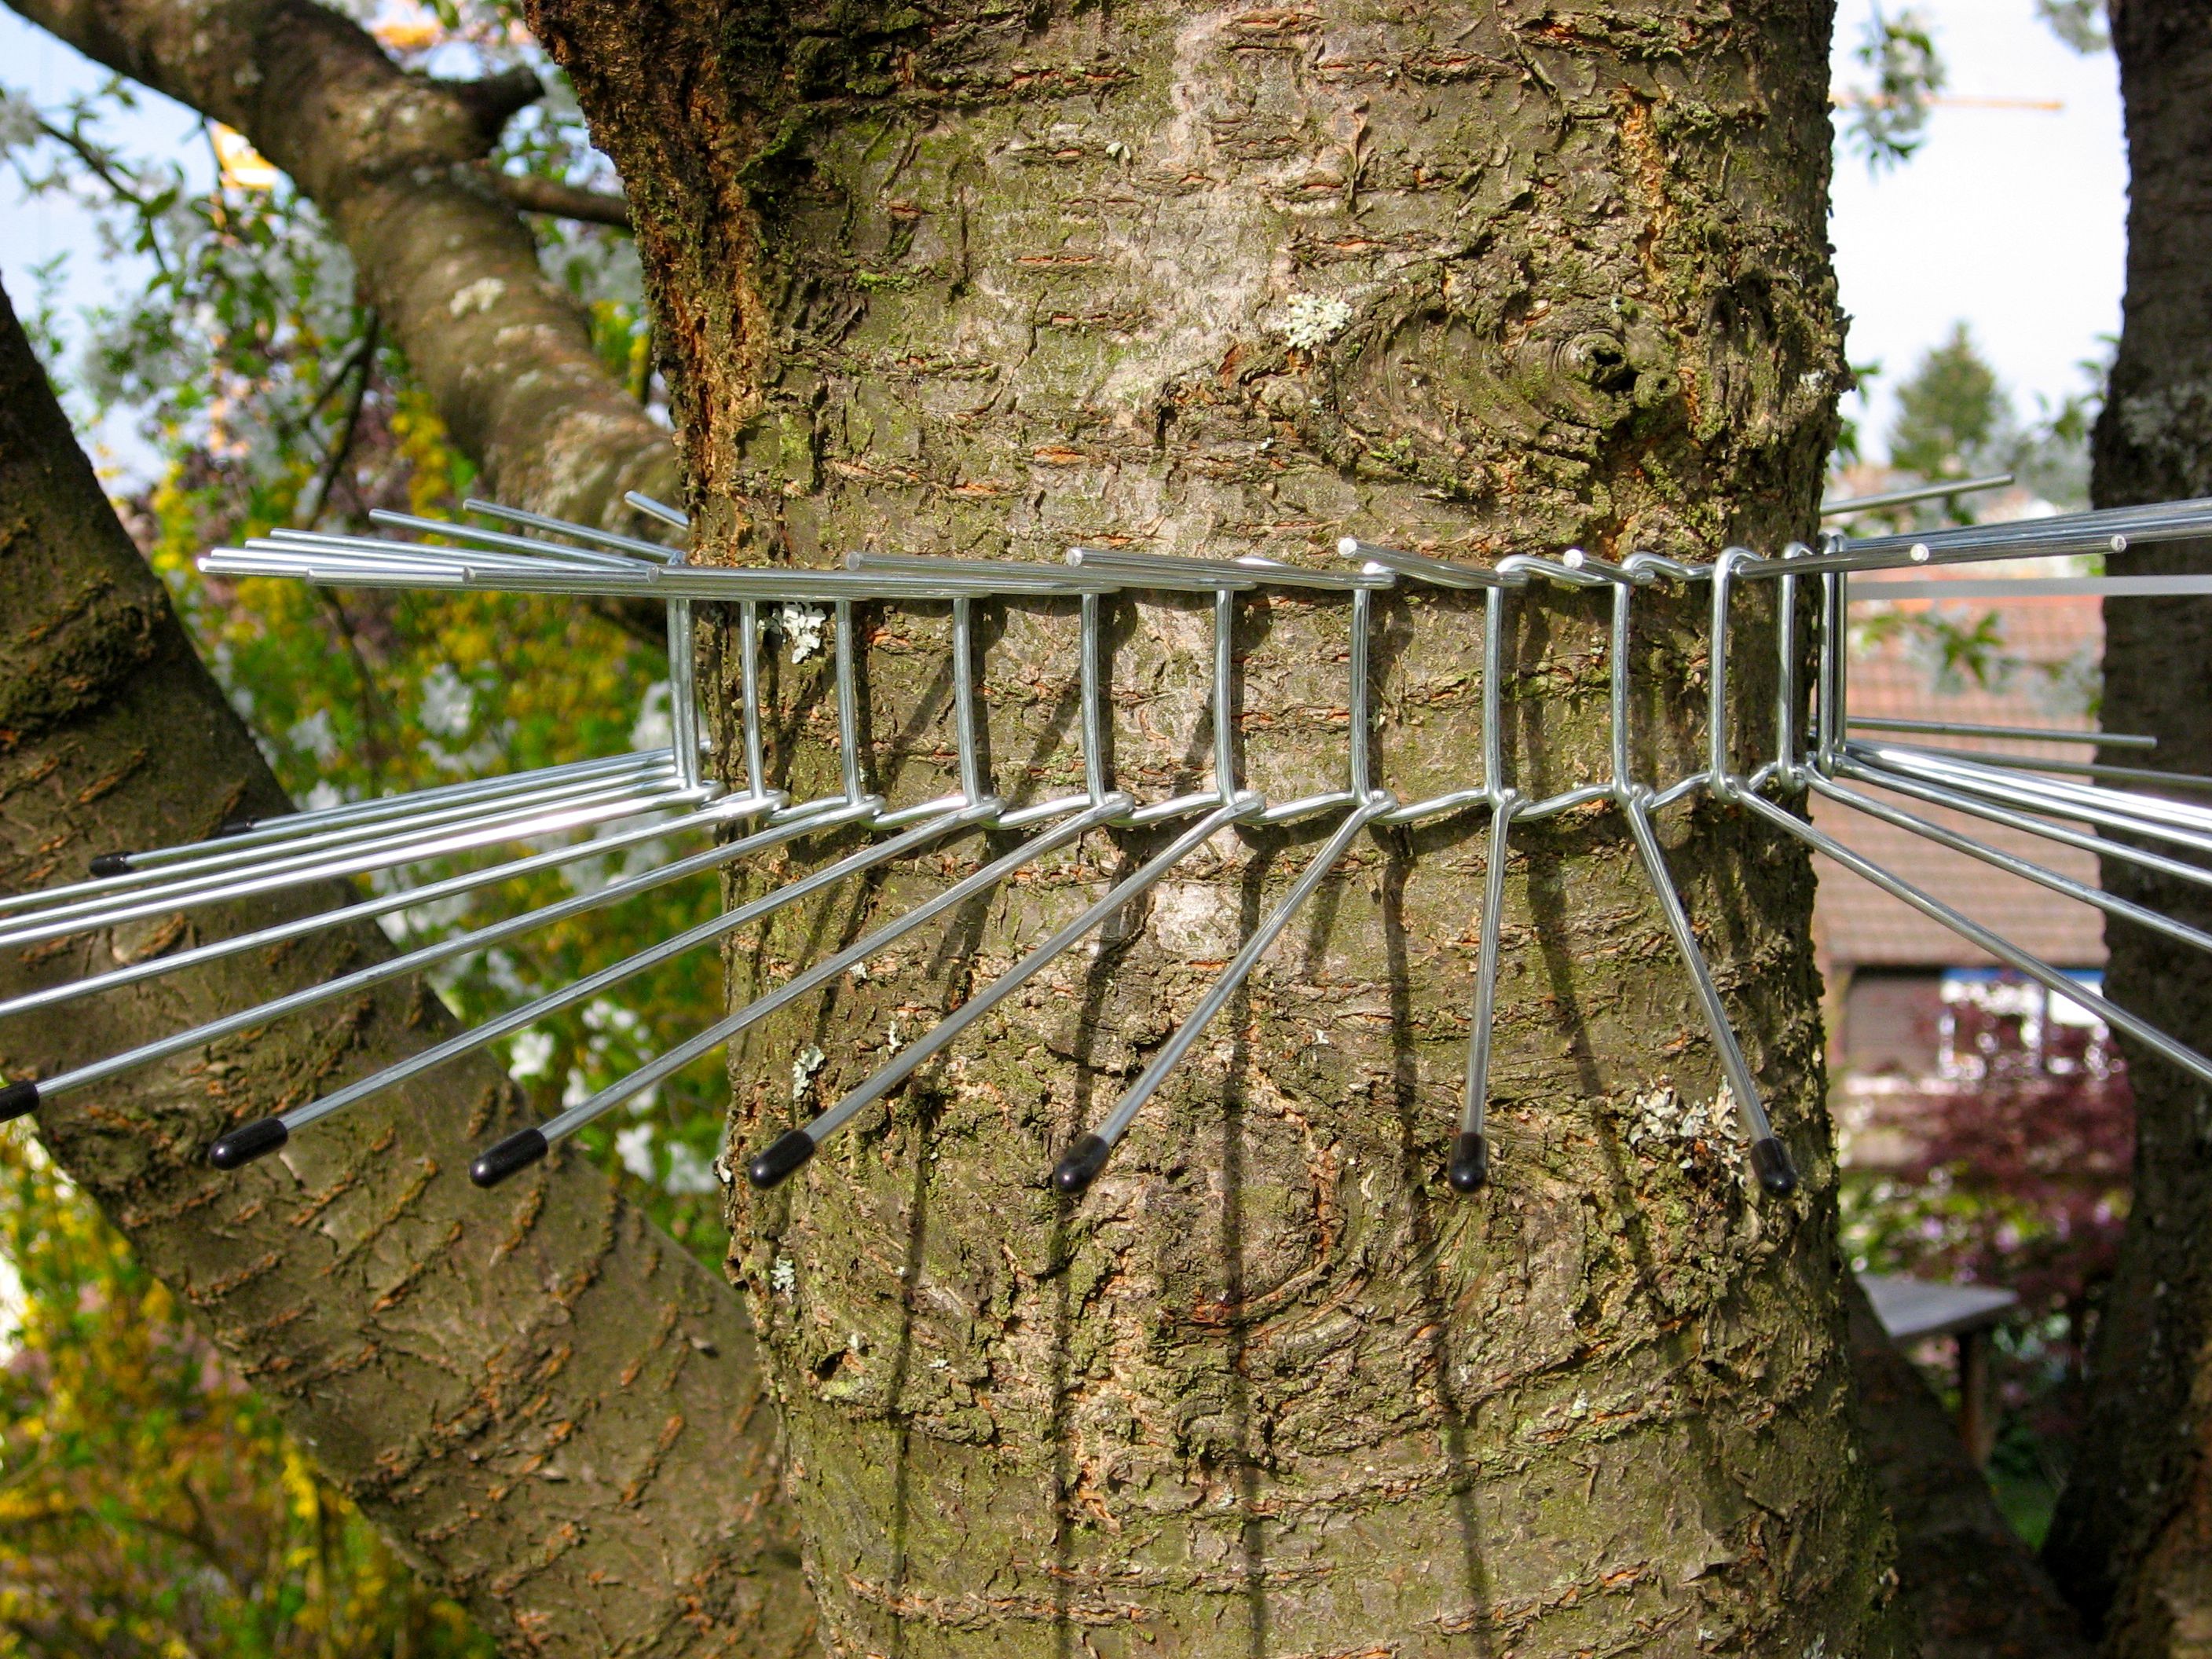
x=552 y=1409
x=2132 y=1541
x=1219 y=281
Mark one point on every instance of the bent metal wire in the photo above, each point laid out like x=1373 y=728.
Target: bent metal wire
x=666 y=789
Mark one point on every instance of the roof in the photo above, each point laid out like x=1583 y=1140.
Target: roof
x=2053 y=644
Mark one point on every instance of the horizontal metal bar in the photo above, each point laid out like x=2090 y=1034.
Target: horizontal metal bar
x=1438 y=572
x=1517 y=568
x=1439 y=806
x=1305 y=806
x=1918 y=493
x=2022 y=734
x=1017 y=573
x=1226 y=573
x=2031 y=588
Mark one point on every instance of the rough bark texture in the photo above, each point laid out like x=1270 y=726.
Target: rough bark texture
x=989 y=280
x=1973 y=1589
x=392 y=159
x=550 y=1408
x=2132 y=1541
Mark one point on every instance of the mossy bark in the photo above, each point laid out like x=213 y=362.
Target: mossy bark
x=2132 y=1542
x=989 y=281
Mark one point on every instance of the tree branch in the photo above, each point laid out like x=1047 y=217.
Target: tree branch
x=393 y=161
x=534 y=195
x=552 y=1409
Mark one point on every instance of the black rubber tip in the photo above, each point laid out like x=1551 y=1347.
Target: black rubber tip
x=242 y=1146
x=1470 y=1163
x=236 y=827
x=16 y=1099
x=1770 y=1161
x=112 y=864
x=784 y=1155
x=504 y=1157
x=1081 y=1166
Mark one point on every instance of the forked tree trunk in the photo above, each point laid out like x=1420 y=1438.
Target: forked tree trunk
x=2132 y=1540
x=991 y=280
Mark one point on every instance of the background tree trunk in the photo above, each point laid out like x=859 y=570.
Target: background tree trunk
x=2131 y=1543
x=991 y=281
x=552 y=1409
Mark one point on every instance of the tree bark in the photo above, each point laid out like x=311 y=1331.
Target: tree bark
x=392 y=159
x=990 y=281
x=1973 y=1589
x=2131 y=1543
x=552 y=1409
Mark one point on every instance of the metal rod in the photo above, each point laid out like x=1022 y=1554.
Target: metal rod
x=281 y=828
x=1224 y=699
x=2030 y=587
x=1990 y=811
x=582 y=532
x=660 y=510
x=527 y=1146
x=848 y=705
x=1017 y=575
x=411 y=961
x=346 y=862
x=749 y=636
x=2113 y=809
x=1918 y=493
x=1438 y=572
x=1167 y=570
x=499 y=540
x=2026 y=869
x=266 y=1134
x=199 y=863
x=730 y=809
x=781 y=1157
x=1770 y=1160
x=2189 y=781
x=963 y=701
x=1095 y=737
x=1360 y=779
x=2021 y=733
x=1470 y=1161
x=1088 y=1155
x=2003 y=949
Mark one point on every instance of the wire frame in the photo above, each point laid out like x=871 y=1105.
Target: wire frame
x=656 y=799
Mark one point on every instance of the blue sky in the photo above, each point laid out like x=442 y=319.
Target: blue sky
x=2012 y=219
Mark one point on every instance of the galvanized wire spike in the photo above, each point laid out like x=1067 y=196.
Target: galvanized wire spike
x=2087 y=805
